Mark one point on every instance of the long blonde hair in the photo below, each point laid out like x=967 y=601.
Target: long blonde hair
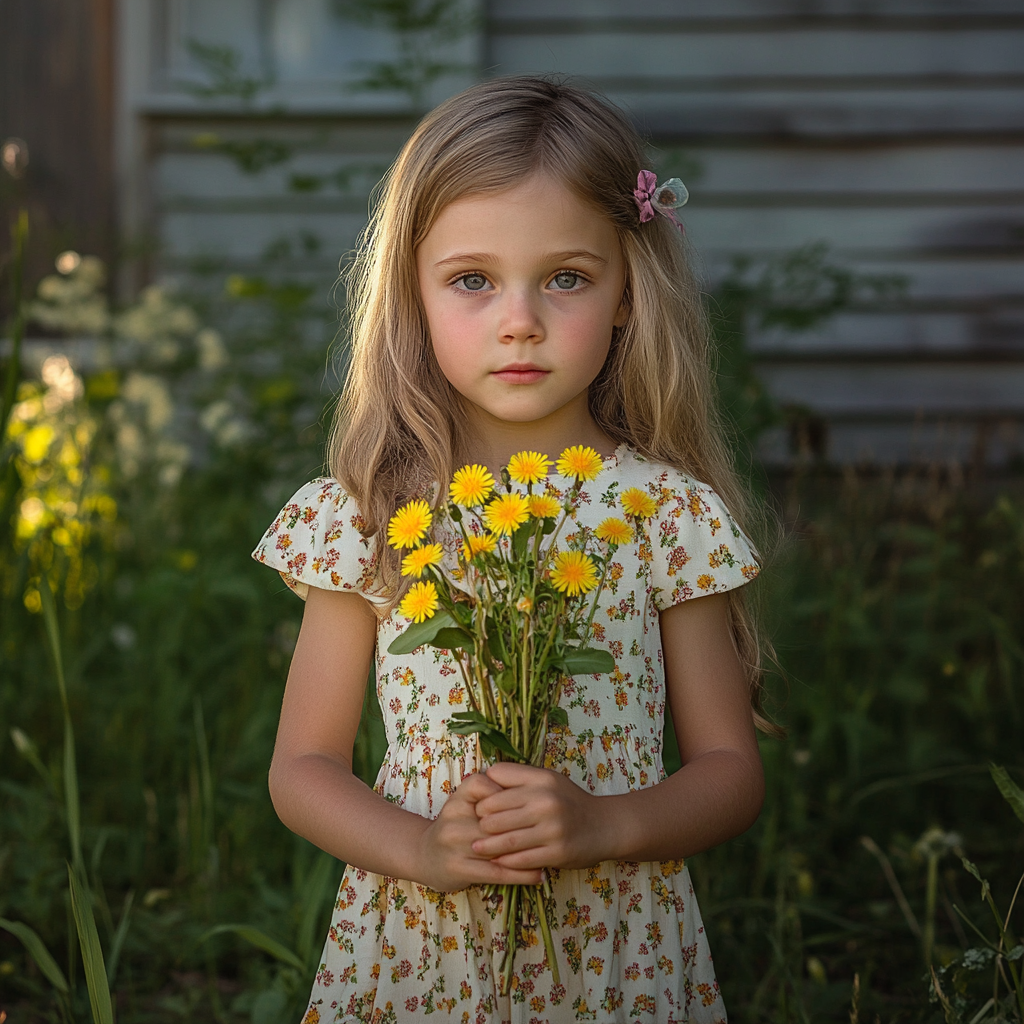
x=398 y=425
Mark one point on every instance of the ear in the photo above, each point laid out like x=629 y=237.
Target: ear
x=622 y=313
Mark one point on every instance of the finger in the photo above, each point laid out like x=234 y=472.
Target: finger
x=477 y=787
x=500 y=874
x=525 y=860
x=503 y=800
x=507 y=821
x=510 y=773
x=507 y=842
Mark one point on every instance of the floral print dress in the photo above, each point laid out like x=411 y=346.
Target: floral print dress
x=628 y=936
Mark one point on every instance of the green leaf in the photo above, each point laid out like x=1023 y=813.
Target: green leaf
x=92 y=952
x=38 y=951
x=420 y=633
x=453 y=639
x=473 y=722
x=521 y=539
x=260 y=940
x=1012 y=793
x=506 y=681
x=977 y=874
x=587 y=661
x=471 y=716
x=558 y=716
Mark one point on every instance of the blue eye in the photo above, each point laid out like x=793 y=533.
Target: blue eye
x=473 y=282
x=566 y=280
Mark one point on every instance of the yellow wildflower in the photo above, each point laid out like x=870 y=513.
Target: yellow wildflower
x=417 y=560
x=528 y=467
x=574 y=573
x=543 y=506
x=614 y=531
x=637 y=503
x=409 y=524
x=471 y=485
x=582 y=463
x=506 y=513
x=478 y=546
x=420 y=603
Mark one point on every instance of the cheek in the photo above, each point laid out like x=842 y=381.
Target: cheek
x=589 y=340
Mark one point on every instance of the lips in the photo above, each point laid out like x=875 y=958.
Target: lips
x=520 y=373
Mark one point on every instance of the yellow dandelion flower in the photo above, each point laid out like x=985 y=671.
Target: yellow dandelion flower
x=409 y=524
x=420 y=603
x=582 y=463
x=574 y=573
x=528 y=467
x=614 y=531
x=637 y=503
x=471 y=485
x=506 y=513
x=478 y=546
x=417 y=560
x=543 y=506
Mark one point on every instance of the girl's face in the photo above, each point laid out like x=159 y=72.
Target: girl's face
x=521 y=290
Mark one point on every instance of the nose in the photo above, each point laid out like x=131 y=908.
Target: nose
x=520 y=319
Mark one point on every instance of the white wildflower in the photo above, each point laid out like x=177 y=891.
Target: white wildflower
x=153 y=395
x=212 y=353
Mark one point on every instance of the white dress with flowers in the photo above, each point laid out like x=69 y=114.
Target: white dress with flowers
x=628 y=936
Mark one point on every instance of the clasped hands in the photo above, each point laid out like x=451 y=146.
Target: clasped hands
x=505 y=825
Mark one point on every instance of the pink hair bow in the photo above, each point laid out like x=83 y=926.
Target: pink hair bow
x=653 y=198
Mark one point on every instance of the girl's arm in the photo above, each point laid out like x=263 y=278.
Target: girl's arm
x=542 y=818
x=314 y=790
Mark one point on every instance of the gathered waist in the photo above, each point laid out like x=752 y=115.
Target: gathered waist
x=422 y=769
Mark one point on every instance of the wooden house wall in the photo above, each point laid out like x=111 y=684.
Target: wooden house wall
x=891 y=130
x=57 y=95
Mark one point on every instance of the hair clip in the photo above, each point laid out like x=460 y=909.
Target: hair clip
x=653 y=198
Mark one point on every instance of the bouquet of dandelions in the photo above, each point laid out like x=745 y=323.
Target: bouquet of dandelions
x=516 y=616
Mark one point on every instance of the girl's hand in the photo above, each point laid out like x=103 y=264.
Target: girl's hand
x=448 y=859
x=538 y=818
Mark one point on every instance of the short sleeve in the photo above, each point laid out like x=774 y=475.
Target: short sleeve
x=696 y=547
x=315 y=541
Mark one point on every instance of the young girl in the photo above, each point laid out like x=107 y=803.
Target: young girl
x=516 y=290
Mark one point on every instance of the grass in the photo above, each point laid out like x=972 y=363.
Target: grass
x=886 y=850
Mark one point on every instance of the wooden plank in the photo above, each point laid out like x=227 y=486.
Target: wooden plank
x=56 y=94
x=900 y=170
x=247 y=237
x=874 y=333
x=199 y=176
x=863 y=232
x=769 y=54
x=954 y=280
x=726 y=173
x=905 y=390
x=502 y=11
x=996 y=443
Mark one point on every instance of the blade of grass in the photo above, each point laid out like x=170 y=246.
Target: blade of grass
x=119 y=936
x=92 y=952
x=315 y=899
x=1012 y=793
x=260 y=940
x=71 y=799
x=38 y=951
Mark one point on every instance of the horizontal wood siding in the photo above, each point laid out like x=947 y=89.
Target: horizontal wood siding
x=891 y=131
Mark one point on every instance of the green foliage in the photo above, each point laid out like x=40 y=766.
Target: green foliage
x=419 y=28
x=223 y=67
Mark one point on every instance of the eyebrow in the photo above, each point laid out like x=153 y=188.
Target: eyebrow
x=464 y=258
